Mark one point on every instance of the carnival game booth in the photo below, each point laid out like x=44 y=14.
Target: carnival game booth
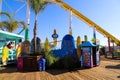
x=9 y=46
x=90 y=54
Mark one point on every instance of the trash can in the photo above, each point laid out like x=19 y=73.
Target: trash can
x=20 y=63
x=41 y=64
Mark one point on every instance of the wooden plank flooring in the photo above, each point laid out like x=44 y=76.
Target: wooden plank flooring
x=108 y=70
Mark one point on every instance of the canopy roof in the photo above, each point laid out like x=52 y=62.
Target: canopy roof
x=9 y=35
x=87 y=44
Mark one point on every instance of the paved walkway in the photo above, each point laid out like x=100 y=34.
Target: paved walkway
x=108 y=70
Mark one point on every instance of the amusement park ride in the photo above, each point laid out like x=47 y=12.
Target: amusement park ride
x=83 y=18
x=89 y=22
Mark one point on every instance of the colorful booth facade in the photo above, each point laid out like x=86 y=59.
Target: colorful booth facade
x=90 y=54
x=8 y=43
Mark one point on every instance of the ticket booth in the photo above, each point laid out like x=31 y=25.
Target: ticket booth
x=87 y=58
x=90 y=54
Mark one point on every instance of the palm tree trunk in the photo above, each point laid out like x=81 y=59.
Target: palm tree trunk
x=35 y=34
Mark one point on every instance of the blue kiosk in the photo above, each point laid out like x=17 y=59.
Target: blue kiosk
x=90 y=54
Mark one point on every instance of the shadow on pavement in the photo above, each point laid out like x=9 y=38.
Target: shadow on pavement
x=113 y=67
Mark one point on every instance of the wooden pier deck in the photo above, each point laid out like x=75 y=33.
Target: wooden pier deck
x=108 y=70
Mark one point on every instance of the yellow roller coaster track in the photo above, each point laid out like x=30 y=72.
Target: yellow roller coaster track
x=86 y=20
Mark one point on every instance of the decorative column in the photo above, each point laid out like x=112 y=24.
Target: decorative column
x=27 y=20
x=109 y=49
x=55 y=36
x=70 y=23
x=78 y=47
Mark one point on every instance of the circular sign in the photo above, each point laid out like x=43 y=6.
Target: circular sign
x=55 y=36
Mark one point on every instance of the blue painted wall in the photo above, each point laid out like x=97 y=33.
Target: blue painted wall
x=67 y=47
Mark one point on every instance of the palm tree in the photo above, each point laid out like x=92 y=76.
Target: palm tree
x=37 y=6
x=10 y=25
x=2 y=23
x=7 y=14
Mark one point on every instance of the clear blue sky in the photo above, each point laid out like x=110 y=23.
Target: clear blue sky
x=106 y=13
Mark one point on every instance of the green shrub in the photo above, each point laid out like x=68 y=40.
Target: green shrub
x=67 y=62
x=51 y=60
x=70 y=62
x=102 y=50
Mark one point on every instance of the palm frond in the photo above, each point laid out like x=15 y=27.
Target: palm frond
x=37 y=5
x=13 y=25
x=7 y=14
x=10 y=25
x=23 y=24
x=1 y=26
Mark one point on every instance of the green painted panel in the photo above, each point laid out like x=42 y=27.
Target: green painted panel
x=9 y=35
